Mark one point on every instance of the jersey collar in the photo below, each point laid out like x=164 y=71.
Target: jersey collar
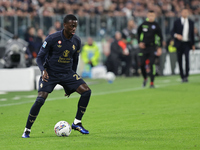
x=64 y=38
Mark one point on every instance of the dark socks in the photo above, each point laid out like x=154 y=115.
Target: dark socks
x=34 y=111
x=82 y=104
x=144 y=74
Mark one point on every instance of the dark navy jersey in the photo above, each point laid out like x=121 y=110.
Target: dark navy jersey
x=59 y=54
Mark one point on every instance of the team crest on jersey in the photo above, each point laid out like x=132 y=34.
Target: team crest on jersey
x=59 y=42
x=66 y=53
x=73 y=47
x=153 y=26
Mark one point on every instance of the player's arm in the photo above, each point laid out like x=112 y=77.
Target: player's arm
x=139 y=32
x=44 y=50
x=75 y=61
x=76 y=57
x=174 y=33
x=140 y=36
x=160 y=39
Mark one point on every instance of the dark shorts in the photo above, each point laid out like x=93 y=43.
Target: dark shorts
x=147 y=53
x=70 y=82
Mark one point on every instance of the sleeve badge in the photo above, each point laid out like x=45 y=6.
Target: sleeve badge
x=44 y=44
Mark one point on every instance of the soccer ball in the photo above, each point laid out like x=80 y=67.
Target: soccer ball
x=62 y=128
x=110 y=77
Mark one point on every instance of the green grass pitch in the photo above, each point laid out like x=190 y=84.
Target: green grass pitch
x=121 y=115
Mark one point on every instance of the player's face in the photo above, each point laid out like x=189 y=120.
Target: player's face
x=70 y=27
x=151 y=16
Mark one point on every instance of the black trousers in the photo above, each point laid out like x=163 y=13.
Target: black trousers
x=183 y=49
x=148 y=53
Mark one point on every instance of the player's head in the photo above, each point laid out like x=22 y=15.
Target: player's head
x=184 y=13
x=70 y=23
x=151 y=16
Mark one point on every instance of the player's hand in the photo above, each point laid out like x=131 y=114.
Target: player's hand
x=45 y=76
x=142 y=45
x=67 y=95
x=159 y=52
x=179 y=37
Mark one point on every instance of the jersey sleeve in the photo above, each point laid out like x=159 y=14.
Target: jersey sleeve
x=76 y=57
x=139 y=34
x=44 y=50
x=160 y=37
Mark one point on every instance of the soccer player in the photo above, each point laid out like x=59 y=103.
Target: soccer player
x=150 y=43
x=57 y=60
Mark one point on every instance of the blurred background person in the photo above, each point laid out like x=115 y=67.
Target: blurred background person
x=31 y=39
x=196 y=38
x=57 y=25
x=39 y=39
x=148 y=34
x=52 y=30
x=113 y=61
x=119 y=54
x=90 y=55
x=183 y=32
x=129 y=36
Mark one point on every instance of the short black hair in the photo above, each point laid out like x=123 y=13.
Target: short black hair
x=69 y=17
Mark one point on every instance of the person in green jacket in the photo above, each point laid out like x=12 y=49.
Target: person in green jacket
x=90 y=53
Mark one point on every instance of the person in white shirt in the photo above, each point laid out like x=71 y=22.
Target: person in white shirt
x=183 y=33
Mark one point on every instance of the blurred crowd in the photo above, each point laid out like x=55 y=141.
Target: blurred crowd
x=37 y=31
x=129 y=8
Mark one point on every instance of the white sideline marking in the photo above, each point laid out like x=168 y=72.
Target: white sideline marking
x=3 y=99
x=2 y=92
x=95 y=94
x=16 y=98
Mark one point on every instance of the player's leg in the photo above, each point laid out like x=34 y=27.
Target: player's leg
x=142 y=59
x=34 y=111
x=187 y=68
x=152 y=58
x=73 y=82
x=85 y=93
x=44 y=89
x=179 y=58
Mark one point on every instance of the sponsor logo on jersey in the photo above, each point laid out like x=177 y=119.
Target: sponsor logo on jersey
x=44 y=44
